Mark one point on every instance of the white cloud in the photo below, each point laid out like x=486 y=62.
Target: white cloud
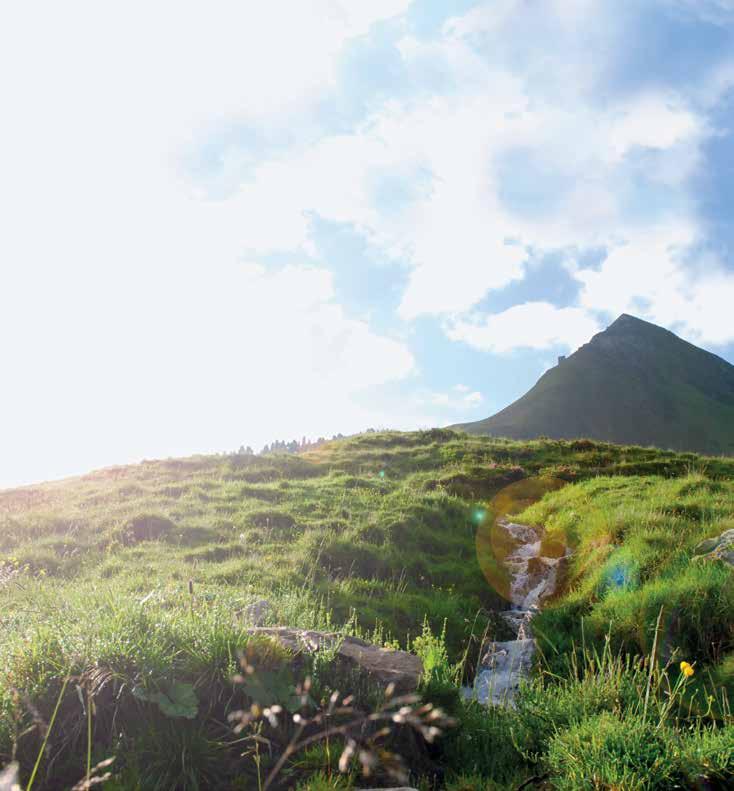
x=132 y=328
x=235 y=354
x=532 y=325
x=651 y=276
x=461 y=235
x=652 y=121
x=460 y=399
x=308 y=341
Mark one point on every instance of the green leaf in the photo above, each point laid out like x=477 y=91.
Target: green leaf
x=272 y=688
x=179 y=700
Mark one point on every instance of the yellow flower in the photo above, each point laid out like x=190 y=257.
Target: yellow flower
x=686 y=669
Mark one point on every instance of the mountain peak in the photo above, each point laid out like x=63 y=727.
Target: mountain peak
x=634 y=384
x=628 y=322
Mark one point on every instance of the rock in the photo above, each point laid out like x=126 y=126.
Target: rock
x=257 y=613
x=381 y=665
x=719 y=548
x=519 y=621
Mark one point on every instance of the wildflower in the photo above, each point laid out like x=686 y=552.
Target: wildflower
x=686 y=669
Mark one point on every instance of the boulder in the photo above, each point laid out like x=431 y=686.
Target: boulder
x=257 y=613
x=720 y=548
x=381 y=665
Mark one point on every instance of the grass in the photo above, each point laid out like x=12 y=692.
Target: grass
x=132 y=582
x=632 y=541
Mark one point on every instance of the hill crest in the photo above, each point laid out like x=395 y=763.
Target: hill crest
x=633 y=383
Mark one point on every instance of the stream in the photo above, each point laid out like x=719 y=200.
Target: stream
x=533 y=579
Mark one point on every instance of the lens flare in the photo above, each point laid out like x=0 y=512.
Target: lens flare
x=495 y=543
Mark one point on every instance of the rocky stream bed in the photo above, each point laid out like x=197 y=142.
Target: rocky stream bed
x=534 y=578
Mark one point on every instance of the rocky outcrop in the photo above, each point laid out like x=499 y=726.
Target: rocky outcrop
x=720 y=548
x=381 y=665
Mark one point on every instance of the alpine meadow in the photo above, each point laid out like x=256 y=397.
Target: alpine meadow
x=129 y=587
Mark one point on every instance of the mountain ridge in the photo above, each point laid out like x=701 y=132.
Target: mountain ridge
x=633 y=383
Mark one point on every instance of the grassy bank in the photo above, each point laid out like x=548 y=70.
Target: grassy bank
x=132 y=582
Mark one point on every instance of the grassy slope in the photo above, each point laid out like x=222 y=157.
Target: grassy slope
x=99 y=569
x=633 y=383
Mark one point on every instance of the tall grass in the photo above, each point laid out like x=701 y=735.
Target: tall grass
x=95 y=578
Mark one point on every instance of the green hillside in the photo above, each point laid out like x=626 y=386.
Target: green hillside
x=634 y=383
x=130 y=584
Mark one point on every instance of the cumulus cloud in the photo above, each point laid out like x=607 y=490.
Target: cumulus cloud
x=652 y=276
x=532 y=325
x=518 y=155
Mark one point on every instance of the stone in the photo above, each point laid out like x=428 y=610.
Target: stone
x=382 y=665
x=719 y=548
x=257 y=614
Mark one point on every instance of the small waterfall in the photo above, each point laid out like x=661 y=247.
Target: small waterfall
x=503 y=665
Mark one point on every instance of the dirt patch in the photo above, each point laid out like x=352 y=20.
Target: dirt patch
x=147 y=527
x=279 y=521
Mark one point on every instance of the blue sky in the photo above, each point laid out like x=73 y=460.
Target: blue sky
x=225 y=225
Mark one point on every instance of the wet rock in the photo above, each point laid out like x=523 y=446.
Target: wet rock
x=381 y=665
x=720 y=548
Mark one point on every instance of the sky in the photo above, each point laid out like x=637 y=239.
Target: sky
x=226 y=223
